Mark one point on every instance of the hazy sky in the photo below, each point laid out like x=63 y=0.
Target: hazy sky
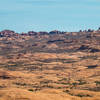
x=46 y=15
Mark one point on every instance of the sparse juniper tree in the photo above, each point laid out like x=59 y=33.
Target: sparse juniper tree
x=99 y=28
x=89 y=30
x=80 y=30
x=97 y=83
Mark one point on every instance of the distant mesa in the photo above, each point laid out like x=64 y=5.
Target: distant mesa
x=30 y=33
x=43 y=33
x=56 y=32
x=9 y=33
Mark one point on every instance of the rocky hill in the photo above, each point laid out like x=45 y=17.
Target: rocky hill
x=50 y=65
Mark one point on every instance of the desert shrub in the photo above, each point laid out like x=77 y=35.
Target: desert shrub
x=59 y=87
x=79 y=95
x=92 y=66
x=74 y=84
x=21 y=84
x=97 y=83
x=30 y=90
x=49 y=86
x=63 y=79
x=89 y=57
x=58 y=60
x=69 y=61
x=65 y=83
x=13 y=65
x=83 y=95
x=96 y=89
x=67 y=91
x=81 y=82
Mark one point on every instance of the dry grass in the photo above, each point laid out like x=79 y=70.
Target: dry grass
x=31 y=69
